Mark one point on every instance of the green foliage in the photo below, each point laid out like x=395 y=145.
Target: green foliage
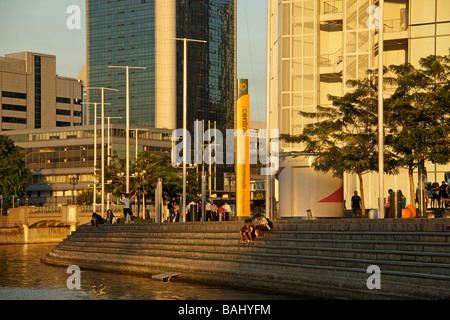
x=416 y=122
x=144 y=176
x=14 y=176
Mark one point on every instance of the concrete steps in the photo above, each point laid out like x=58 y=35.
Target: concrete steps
x=332 y=255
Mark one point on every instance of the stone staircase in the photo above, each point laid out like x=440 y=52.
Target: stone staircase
x=318 y=258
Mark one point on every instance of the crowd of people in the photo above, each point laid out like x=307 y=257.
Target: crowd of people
x=438 y=194
x=213 y=212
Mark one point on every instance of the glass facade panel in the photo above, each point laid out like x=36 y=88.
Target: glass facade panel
x=443 y=10
x=422 y=31
x=443 y=45
x=423 y=11
x=122 y=33
x=421 y=48
x=443 y=28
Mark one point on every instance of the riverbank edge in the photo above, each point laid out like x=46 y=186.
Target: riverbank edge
x=284 y=281
x=244 y=279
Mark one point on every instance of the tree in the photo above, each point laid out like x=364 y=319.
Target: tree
x=14 y=175
x=418 y=114
x=144 y=174
x=345 y=137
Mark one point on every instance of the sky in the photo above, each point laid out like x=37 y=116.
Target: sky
x=40 y=26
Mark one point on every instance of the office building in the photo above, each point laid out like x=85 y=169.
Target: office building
x=33 y=96
x=316 y=46
x=56 y=155
x=142 y=33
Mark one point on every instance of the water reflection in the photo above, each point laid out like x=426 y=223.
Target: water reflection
x=23 y=276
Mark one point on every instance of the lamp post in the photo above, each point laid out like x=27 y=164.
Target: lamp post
x=380 y=110
x=137 y=132
x=108 y=156
x=127 y=69
x=95 y=152
x=103 y=143
x=73 y=181
x=185 y=41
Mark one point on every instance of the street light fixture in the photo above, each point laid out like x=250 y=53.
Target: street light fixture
x=380 y=111
x=185 y=41
x=127 y=68
x=137 y=132
x=95 y=151
x=103 y=143
x=108 y=156
x=73 y=181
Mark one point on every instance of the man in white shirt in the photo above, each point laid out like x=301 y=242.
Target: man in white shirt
x=227 y=211
x=126 y=208
x=189 y=213
x=261 y=225
x=208 y=209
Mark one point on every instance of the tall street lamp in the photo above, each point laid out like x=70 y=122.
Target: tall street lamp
x=73 y=181
x=103 y=143
x=185 y=41
x=95 y=152
x=136 y=151
x=108 y=156
x=127 y=69
x=380 y=110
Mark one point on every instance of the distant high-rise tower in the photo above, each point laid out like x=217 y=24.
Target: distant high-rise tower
x=142 y=33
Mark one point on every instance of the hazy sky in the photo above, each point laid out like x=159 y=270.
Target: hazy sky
x=40 y=26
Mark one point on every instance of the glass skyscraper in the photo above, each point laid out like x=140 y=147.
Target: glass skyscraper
x=141 y=33
x=122 y=33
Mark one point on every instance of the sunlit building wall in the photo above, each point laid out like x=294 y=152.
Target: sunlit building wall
x=316 y=46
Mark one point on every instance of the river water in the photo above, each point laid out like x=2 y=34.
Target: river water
x=24 y=277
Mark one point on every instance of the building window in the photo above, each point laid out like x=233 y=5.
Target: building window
x=14 y=107
x=14 y=120
x=77 y=113
x=63 y=112
x=37 y=92
x=16 y=95
x=63 y=100
x=62 y=124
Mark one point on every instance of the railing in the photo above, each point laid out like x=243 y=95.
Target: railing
x=98 y=208
x=395 y=25
x=46 y=209
x=331 y=59
x=330 y=7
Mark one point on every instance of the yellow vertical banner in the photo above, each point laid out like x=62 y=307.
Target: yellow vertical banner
x=242 y=163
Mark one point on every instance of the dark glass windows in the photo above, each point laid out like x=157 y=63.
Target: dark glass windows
x=37 y=92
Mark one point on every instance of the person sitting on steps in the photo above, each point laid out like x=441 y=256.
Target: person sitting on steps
x=246 y=232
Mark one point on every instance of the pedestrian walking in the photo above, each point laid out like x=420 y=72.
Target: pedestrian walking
x=128 y=215
x=221 y=213
x=208 y=209
x=171 y=207
x=356 y=203
x=227 y=213
x=214 y=212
